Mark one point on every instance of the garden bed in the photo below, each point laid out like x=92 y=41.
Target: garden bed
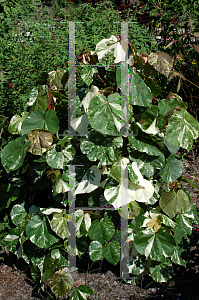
x=16 y=282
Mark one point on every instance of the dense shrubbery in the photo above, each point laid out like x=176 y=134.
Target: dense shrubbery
x=38 y=43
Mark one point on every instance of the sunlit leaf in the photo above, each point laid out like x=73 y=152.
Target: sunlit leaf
x=161 y=61
x=163 y=271
x=13 y=154
x=182 y=129
x=173 y=203
x=61 y=282
x=16 y=122
x=37 y=231
x=41 y=141
x=104 y=115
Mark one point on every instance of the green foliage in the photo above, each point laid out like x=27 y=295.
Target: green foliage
x=176 y=22
x=122 y=157
x=32 y=42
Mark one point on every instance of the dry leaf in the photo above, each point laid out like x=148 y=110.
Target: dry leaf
x=41 y=141
x=161 y=61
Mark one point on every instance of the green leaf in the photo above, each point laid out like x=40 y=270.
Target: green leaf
x=16 y=122
x=162 y=272
x=33 y=95
x=132 y=212
x=99 y=147
x=147 y=164
x=111 y=252
x=81 y=293
x=182 y=129
x=90 y=181
x=41 y=101
x=128 y=191
x=139 y=92
x=51 y=121
x=38 y=232
x=58 y=255
x=135 y=175
x=58 y=156
x=101 y=231
x=87 y=99
x=25 y=222
x=36 y=274
x=150 y=116
x=137 y=265
x=82 y=218
x=176 y=257
x=172 y=169
x=155 y=88
x=59 y=224
x=95 y=251
x=49 y=267
x=156 y=246
x=61 y=282
x=122 y=78
x=143 y=146
x=117 y=171
x=18 y=213
x=7 y=194
x=104 y=114
x=11 y=240
x=87 y=75
x=36 y=120
x=13 y=154
x=165 y=106
x=172 y=149
x=172 y=203
x=184 y=222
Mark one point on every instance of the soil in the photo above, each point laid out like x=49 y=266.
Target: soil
x=16 y=282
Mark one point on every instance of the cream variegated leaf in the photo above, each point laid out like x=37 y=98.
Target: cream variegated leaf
x=161 y=61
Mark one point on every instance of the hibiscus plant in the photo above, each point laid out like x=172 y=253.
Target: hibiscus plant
x=82 y=162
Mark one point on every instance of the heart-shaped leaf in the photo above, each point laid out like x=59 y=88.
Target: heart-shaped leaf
x=155 y=245
x=59 y=156
x=139 y=92
x=172 y=169
x=61 y=282
x=173 y=203
x=163 y=271
x=101 y=231
x=161 y=61
x=18 y=213
x=16 y=122
x=95 y=251
x=182 y=129
x=37 y=120
x=104 y=114
x=59 y=224
x=41 y=141
x=99 y=147
x=38 y=232
x=111 y=252
x=13 y=154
